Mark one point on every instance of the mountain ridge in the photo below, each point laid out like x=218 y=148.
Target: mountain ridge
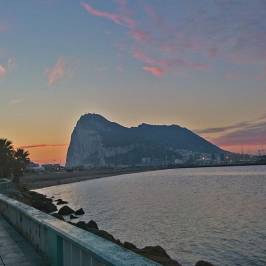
x=98 y=142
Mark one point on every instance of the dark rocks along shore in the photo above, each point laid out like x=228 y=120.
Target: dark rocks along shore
x=45 y=204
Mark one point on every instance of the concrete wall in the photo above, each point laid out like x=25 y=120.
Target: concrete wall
x=5 y=185
x=64 y=244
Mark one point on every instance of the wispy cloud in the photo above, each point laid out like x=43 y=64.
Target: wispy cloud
x=239 y=126
x=58 y=71
x=212 y=130
x=116 y=18
x=251 y=135
x=140 y=35
x=145 y=40
x=41 y=146
x=8 y=67
x=3 y=71
x=165 y=65
x=252 y=132
x=155 y=71
x=262 y=117
x=234 y=31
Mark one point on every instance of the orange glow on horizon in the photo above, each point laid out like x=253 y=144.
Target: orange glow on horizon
x=245 y=148
x=48 y=154
x=57 y=154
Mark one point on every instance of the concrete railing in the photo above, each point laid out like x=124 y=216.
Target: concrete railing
x=63 y=244
x=5 y=185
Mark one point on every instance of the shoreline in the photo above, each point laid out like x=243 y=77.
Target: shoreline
x=59 y=209
x=38 y=181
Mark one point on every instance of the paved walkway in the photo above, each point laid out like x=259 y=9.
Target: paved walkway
x=15 y=250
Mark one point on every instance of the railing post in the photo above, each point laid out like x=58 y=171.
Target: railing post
x=60 y=255
x=63 y=244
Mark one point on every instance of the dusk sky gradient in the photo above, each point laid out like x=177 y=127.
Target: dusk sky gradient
x=198 y=64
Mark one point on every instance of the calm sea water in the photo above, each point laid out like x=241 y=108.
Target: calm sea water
x=215 y=214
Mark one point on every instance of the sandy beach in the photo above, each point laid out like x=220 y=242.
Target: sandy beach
x=36 y=181
x=41 y=180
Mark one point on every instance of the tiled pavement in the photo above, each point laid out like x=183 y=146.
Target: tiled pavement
x=15 y=250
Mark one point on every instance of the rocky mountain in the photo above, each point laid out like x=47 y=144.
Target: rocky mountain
x=97 y=142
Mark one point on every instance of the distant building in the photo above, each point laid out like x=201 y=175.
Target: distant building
x=146 y=161
x=178 y=162
x=34 y=167
x=53 y=167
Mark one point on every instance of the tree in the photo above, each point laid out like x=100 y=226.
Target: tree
x=12 y=162
x=6 y=157
x=21 y=160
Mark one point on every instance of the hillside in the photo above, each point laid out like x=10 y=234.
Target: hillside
x=97 y=142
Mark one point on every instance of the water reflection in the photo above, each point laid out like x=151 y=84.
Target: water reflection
x=217 y=214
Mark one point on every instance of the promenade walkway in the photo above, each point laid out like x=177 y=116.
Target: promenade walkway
x=61 y=242
x=15 y=250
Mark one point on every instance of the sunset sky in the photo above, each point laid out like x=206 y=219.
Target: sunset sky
x=198 y=64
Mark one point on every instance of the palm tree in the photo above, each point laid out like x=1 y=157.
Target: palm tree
x=21 y=160
x=6 y=157
x=12 y=162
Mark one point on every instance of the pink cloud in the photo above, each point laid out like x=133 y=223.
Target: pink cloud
x=166 y=64
x=145 y=42
x=32 y=146
x=141 y=56
x=116 y=18
x=251 y=132
x=155 y=71
x=57 y=72
x=140 y=35
x=3 y=71
x=243 y=137
x=177 y=43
